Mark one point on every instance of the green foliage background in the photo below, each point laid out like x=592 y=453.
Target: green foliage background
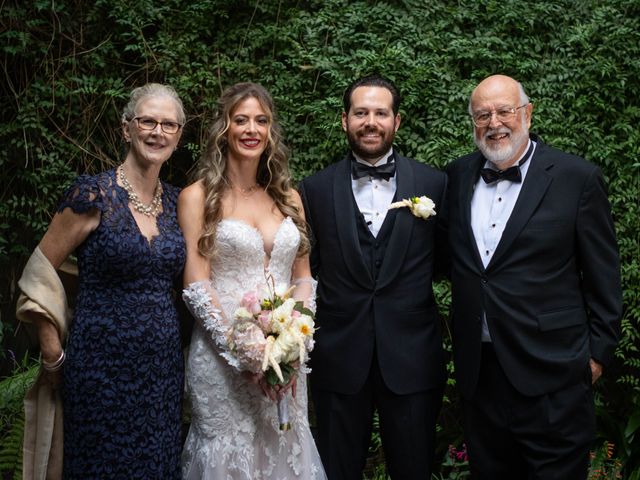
x=69 y=65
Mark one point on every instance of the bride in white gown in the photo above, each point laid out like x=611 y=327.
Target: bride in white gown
x=242 y=223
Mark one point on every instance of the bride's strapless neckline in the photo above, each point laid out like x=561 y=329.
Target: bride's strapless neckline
x=268 y=247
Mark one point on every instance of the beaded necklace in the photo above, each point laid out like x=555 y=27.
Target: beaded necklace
x=150 y=210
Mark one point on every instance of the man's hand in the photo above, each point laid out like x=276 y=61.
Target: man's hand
x=596 y=370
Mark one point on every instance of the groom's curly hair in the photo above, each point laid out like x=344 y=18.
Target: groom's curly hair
x=374 y=80
x=273 y=170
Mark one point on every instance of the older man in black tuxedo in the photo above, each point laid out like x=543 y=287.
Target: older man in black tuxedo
x=536 y=293
x=378 y=343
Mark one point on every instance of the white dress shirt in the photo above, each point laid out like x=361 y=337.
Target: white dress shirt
x=491 y=207
x=373 y=195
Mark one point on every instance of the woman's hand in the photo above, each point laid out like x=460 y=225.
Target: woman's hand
x=260 y=380
x=281 y=390
x=54 y=379
x=273 y=392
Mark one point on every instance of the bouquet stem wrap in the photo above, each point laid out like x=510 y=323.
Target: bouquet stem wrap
x=283 y=413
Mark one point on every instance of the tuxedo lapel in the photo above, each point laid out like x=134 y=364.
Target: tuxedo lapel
x=467 y=187
x=533 y=189
x=402 y=227
x=345 y=215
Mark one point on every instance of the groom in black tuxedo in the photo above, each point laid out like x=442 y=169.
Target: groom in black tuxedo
x=536 y=293
x=378 y=343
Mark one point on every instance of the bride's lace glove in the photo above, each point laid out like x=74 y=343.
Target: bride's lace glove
x=241 y=346
x=305 y=291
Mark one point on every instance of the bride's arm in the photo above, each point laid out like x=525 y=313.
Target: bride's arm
x=305 y=288
x=305 y=285
x=199 y=295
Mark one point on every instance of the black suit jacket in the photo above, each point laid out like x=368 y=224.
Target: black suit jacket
x=551 y=292
x=396 y=313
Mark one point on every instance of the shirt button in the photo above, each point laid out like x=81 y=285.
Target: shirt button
x=493 y=225
x=486 y=252
x=377 y=213
x=499 y=199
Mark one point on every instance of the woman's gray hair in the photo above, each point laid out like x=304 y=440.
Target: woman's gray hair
x=152 y=90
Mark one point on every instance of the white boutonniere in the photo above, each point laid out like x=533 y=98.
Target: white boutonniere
x=422 y=207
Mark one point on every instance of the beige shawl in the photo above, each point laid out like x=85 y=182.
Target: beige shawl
x=42 y=293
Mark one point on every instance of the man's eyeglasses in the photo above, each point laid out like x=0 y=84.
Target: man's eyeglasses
x=504 y=114
x=145 y=123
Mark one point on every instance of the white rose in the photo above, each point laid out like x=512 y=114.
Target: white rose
x=286 y=347
x=423 y=207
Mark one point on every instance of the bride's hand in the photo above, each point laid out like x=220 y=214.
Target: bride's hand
x=281 y=390
x=261 y=381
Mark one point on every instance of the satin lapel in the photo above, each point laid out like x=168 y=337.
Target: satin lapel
x=467 y=187
x=533 y=189
x=345 y=214
x=403 y=224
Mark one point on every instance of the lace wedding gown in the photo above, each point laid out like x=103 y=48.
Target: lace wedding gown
x=234 y=430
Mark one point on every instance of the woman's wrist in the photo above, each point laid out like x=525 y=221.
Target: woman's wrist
x=55 y=364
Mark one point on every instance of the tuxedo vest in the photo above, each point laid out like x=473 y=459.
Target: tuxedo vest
x=374 y=248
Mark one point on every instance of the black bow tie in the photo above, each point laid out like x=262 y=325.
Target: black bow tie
x=383 y=172
x=489 y=175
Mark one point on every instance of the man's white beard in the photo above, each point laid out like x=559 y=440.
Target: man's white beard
x=502 y=155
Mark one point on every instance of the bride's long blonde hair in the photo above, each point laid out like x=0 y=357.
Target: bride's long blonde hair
x=273 y=169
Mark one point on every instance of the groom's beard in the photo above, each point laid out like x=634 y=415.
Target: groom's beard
x=370 y=152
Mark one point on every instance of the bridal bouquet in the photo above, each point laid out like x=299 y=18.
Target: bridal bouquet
x=283 y=337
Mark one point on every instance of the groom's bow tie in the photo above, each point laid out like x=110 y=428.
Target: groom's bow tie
x=383 y=172
x=489 y=175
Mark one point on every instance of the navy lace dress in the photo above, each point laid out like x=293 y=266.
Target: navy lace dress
x=124 y=371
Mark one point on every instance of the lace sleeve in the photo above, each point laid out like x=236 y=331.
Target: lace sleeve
x=305 y=291
x=240 y=344
x=83 y=195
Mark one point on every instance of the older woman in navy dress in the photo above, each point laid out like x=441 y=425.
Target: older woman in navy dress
x=122 y=374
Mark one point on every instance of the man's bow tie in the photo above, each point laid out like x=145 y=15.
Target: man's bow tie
x=489 y=175
x=383 y=172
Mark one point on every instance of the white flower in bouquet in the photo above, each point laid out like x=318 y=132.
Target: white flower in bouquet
x=281 y=316
x=242 y=313
x=304 y=325
x=288 y=346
